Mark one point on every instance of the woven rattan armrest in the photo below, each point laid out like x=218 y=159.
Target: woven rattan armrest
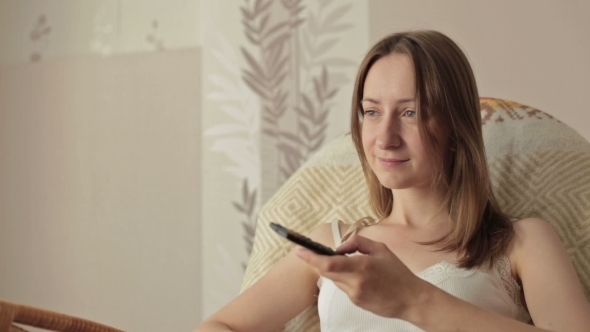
x=11 y=313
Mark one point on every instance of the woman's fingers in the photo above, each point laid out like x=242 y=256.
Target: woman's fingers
x=334 y=264
x=329 y=266
x=361 y=244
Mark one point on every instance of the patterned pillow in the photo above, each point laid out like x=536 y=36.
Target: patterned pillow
x=539 y=166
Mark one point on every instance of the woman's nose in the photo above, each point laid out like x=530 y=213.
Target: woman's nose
x=388 y=135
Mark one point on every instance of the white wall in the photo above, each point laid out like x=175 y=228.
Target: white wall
x=535 y=52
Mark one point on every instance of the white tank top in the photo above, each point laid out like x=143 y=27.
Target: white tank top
x=492 y=289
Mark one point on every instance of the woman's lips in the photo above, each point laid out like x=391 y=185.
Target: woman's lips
x=391 y=162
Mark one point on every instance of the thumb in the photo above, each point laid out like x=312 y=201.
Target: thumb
x=362 y=245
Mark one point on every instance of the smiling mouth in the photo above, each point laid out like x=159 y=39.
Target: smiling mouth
x=391 y=162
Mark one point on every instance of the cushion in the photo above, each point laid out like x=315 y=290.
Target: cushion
x=539 y=168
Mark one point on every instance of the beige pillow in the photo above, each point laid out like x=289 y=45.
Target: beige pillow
x=540 y=168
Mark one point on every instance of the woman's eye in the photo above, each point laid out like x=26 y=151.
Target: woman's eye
x=370 y=112
x=410 y=113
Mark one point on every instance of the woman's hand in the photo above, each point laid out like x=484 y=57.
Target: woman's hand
x=376 y=280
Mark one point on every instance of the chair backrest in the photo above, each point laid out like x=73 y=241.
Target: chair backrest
x=13 y=318
x=539 y=166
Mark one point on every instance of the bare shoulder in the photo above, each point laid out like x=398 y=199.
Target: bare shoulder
x=533 y=237
x=528 y=230
x=534 y=233
x=545 y=270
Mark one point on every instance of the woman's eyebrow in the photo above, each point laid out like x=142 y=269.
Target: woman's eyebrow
x=371 y=100
x=375 y=101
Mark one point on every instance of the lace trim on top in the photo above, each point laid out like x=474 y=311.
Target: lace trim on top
x=444 y=270
x=320 y=282
x=505 y=272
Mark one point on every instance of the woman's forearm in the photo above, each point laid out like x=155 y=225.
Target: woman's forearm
x=441 y=311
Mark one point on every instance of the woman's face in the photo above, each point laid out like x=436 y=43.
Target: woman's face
x=390 y=133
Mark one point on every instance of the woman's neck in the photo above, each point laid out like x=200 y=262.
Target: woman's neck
x=417 y=208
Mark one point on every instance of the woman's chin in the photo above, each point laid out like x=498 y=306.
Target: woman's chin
x=400 y=184
x=395 y=185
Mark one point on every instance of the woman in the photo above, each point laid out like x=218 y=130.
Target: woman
x=443 y=256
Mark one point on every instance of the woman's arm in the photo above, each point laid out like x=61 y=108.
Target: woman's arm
x=284 y=292
x=554 y=295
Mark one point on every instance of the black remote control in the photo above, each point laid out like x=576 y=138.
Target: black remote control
x=302 y=240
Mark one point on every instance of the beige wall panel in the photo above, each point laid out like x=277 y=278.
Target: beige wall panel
x=532 y=51
x=100 y=174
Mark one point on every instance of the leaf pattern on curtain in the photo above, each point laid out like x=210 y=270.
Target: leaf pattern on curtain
x=287 y=66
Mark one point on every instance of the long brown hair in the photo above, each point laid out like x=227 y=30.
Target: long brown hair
x=446 y=99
